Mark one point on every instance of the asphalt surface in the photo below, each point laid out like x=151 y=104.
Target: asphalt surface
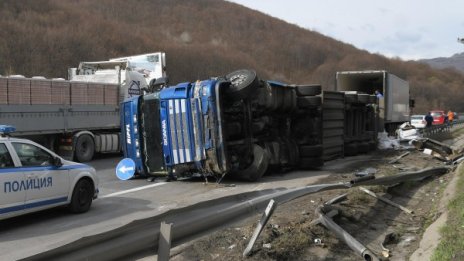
x=121 y=202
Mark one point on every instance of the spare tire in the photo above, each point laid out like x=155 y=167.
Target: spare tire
x=242 y=83
x=258 y=167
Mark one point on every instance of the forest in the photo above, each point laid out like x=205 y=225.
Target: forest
x=201 y=38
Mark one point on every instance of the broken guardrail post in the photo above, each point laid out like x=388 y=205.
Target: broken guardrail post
x=262 y=222
x=386 y=200
x=164 y=244
x=354 y=244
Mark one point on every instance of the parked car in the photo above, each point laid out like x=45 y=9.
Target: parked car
x=33 y=178
x=418 y=121
x=439 y=117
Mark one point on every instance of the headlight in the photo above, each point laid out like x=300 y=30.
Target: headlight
x=135 y=129
x=137 y=143
x=135 y=118
x=137 y=154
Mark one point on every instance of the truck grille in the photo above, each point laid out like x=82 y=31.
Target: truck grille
x=178 y=126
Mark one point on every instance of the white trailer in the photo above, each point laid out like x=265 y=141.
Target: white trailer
x=394 y=106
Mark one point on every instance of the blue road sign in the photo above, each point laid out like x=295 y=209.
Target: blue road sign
x=125 y=169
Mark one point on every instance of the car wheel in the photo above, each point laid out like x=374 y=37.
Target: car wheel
x=82 y=196
x=84 y=148
x=242 y=83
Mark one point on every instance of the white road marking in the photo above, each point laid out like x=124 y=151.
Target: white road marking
x=133 y=190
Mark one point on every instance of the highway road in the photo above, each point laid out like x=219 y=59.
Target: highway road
x=121 y=202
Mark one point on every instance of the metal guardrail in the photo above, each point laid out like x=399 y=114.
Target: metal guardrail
x=442 y=128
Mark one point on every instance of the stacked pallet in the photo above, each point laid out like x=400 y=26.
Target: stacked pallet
x=18 y=90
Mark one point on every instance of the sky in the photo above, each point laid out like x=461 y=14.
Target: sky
x=408 y=29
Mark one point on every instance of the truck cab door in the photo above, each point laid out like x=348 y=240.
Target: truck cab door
x=46 y=184
x=12 y=197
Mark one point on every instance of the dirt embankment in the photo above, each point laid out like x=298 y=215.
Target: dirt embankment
x=289 y=235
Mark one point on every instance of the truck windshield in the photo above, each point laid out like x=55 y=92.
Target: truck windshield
x=151 y=131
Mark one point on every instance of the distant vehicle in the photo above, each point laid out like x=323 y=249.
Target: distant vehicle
x=439 y=117
x=418 y=121
x=33 y=178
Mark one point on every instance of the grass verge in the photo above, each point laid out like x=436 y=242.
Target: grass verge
x=451 y=246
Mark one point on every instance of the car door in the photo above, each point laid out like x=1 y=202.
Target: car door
x=47 y=184
x=12 y=197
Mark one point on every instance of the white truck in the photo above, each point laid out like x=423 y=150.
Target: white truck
x=78 y=117
x=394 y=106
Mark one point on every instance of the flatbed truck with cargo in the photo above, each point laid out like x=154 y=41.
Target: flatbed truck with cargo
x=78 y=117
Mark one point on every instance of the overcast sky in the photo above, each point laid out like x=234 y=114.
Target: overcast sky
x=409 y=29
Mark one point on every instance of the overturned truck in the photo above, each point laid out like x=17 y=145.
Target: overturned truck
x=238 y=125
x=243 y=126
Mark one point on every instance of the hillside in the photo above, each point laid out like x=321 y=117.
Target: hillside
x=202 y=38
x=456 y=61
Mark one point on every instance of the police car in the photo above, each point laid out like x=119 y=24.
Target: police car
x=33 y=178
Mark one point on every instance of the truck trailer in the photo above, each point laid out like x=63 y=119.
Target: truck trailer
x=78 y=117
x=237 y=125
x=393 y=101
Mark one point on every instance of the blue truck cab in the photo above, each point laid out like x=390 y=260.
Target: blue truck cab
x=236 y=124
x=176 y=128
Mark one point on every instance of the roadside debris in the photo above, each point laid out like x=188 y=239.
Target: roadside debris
x=387 y=142
x=437 y=149
x=395 y=160
x=390 y=238
x=407 y=132
x=366 y=172
x=354 y=244
x=259 y=228
x=386 y=200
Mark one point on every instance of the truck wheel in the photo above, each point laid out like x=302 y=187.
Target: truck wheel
x=309 y=102
x=242 y=83
x=81 y=197
x=311 y=163
x=308 y=90
x=85 y=148
x=258 y=167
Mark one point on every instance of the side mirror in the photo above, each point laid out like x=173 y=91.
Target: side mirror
x=57 y=162
x=158 y=84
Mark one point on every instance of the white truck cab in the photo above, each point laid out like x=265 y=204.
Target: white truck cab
x=33 y=178
x=132 y=73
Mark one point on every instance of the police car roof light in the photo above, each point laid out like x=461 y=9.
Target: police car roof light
x=6 y=129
